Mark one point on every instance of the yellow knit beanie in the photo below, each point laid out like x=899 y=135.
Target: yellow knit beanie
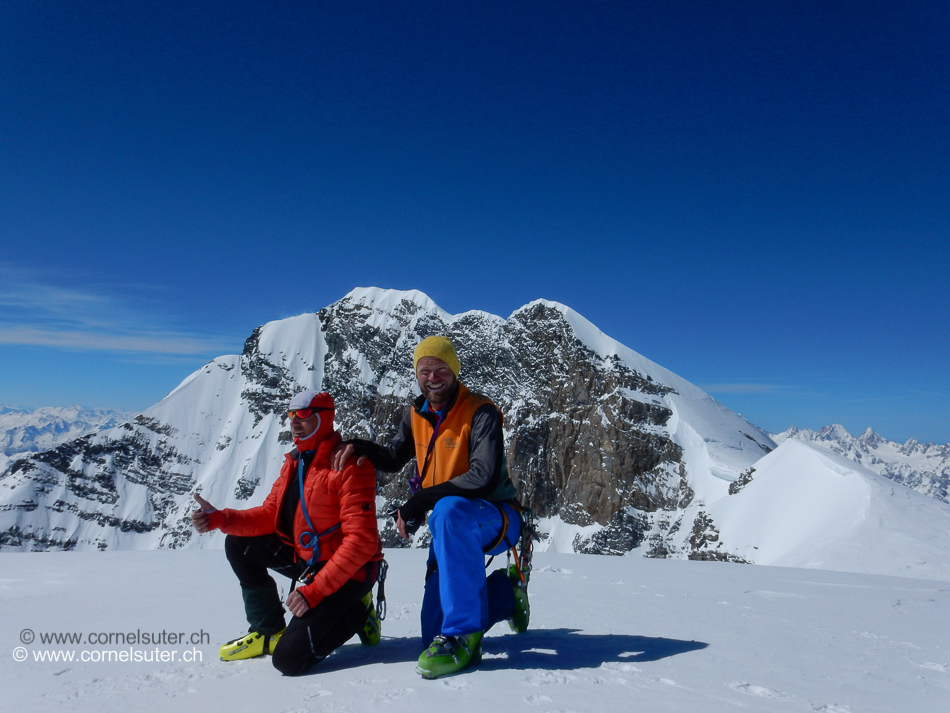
x=440 y=348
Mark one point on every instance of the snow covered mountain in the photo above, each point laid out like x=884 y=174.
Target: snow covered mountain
x=804 y=506
x=612 y=450
x=25 y=431
x=921 y=467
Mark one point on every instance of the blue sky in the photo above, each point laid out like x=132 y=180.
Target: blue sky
x=754 y=195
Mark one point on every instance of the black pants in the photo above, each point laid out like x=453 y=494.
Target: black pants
x=309 y=639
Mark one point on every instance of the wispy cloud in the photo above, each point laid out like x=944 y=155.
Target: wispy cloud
x=740 y=388
x=36 y=310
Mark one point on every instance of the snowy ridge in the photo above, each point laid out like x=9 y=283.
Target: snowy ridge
x=806 y=506
x=722 y=441
x=384 y=302
x=921 y=467
x=724 y=432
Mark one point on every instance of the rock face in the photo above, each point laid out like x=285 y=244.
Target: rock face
x=921 y=467
x=614 y=450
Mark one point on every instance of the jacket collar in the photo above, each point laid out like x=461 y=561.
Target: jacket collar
x=324 y=449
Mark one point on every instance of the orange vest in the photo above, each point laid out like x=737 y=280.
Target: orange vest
x=449 y=457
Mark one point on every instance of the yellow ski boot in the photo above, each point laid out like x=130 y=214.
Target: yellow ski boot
x=251 y=645
x=371 y=630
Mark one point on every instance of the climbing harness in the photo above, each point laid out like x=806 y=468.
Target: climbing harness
x=529 y=533
x=381 y=590
x=310 y=539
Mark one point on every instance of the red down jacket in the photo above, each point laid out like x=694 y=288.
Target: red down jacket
x=347 y=497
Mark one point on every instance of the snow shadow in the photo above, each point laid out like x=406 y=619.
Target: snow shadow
x=388 y=650
x=555 y=649
x=564 y=649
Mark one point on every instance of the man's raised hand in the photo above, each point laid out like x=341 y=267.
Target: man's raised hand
x=199 y=518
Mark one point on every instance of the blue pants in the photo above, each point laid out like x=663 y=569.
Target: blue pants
x=458 y=598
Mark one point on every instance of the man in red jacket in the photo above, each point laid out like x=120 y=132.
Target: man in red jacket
x=318 y=525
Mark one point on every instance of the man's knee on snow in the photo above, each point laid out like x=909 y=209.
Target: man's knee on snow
x=291 y=660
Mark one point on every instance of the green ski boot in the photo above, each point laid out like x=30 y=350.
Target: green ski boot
x=450 y=654
x=522 y=613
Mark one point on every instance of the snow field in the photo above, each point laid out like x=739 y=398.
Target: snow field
x=608 y=633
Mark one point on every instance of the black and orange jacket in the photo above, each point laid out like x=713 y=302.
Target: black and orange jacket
x=468 y=457
x=347 y=497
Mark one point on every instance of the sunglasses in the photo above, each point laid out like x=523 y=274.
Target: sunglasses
x=306 y=412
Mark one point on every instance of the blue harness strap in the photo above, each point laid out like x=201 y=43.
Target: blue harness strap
x=310 y=539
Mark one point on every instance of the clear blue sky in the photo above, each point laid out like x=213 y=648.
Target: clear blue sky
x=755 y=195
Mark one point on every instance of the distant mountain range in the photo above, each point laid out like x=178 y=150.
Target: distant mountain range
x=612 y=451
x=25 y=431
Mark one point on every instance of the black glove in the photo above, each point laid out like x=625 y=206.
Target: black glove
x=411 y=525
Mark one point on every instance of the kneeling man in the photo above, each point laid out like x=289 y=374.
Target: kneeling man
x=317 y=525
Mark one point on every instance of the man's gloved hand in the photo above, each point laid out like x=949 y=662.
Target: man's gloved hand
x=405 y=527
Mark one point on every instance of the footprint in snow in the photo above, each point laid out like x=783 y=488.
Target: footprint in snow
x=760 y=691
x=368 y=681
x=544 y=678
x=393 y=695
x=538 y=700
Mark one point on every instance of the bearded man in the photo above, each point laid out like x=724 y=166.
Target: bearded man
x=461 y=480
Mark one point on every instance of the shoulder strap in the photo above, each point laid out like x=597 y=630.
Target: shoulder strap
x=310 y=539
x=415 y=482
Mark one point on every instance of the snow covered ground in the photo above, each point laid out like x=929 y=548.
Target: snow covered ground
x=608 y=633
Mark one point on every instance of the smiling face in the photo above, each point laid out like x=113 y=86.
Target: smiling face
x=436 y=381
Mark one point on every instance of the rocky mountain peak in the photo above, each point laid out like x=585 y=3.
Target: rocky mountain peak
x=602 y=442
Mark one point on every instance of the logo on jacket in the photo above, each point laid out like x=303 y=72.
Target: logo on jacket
x=450 y=442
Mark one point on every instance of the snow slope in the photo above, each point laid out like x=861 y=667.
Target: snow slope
x=607 y=634
x=809 y=507
x=924 y=467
